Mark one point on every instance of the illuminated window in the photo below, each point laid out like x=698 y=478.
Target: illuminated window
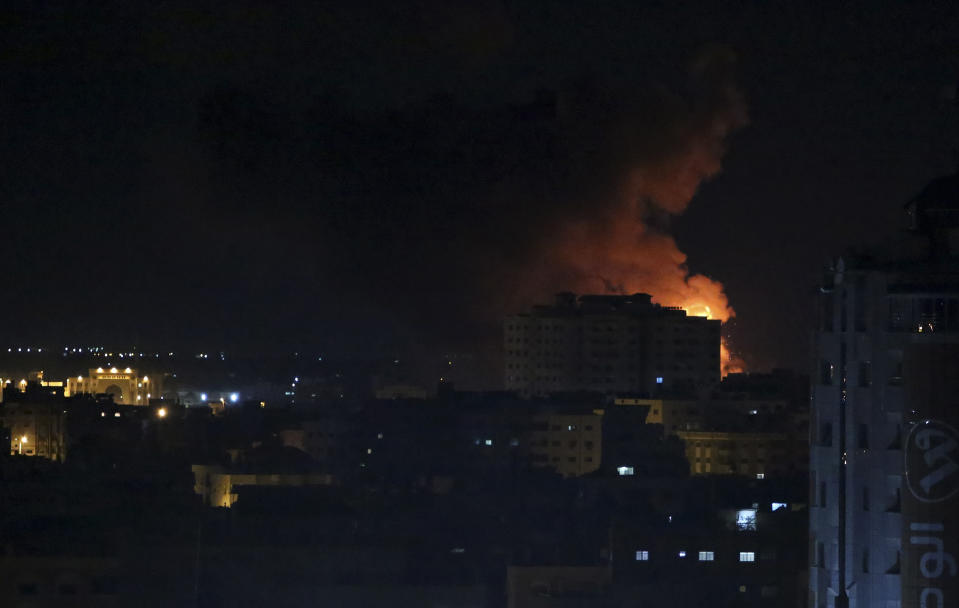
x=706 y=556
x=760 y=476
x=624 y=470
x=682 y=554
x=746 y=519
x=642 y=556
x=659 y=379
x=747 y=556
x=778 y=505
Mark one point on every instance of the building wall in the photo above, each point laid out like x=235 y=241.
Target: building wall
x=730 y=453
x=572 y=444
x=610 y=344
x=36 y=429
x=869 y=316
x=547 y=586
x=217 y=486
x=127 y=386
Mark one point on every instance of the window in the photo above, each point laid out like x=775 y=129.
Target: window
x=682 y=553
x=865 y=559
x=865 y=498
x=624 y=470
x=820 y=555
x=747 y=556
x=746 y=519
x=863 y=437
x=826 y=372
x=659 y=379
x=760 y=476
x=865 y=373
x=706 y=556
x=822 y=493
x=642 y=556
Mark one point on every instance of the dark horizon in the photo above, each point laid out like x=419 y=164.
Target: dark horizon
x=399 y=176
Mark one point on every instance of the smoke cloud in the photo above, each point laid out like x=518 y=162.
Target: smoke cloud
x=658 y=151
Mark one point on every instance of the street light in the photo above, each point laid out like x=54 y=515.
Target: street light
x=23 y=440
x=161 y=412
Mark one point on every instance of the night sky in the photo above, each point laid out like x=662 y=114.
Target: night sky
x=356 y=176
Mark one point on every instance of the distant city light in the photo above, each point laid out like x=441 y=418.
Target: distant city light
x=161 y=412
x=202 y=396
x=234 y=397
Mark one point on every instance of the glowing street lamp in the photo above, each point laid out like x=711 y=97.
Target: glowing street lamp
x=23 y=440
x=161 y=412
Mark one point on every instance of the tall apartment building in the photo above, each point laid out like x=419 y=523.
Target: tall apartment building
x=610 y=344
x=884 y=516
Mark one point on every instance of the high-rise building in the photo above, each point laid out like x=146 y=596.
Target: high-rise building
x=884 y=516
x=610 y=344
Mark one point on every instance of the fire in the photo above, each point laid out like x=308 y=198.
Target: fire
x=618 y=243
x=731 y=363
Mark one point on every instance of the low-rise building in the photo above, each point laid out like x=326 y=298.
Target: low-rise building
x=569 y=443
x=217 y=485
x=125 y=385
x=35 y=429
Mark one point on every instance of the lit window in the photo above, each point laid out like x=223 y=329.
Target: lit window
x=682 y=554
x=706 y=556
x=760 y=476
x=489 y=442
x=746 y=519
x=642 y=556
x=624 y=470
x=659 y=379
x=778 y=505
x=747 y=556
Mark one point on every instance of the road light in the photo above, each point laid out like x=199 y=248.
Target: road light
x=23 y=440
x=161 y=412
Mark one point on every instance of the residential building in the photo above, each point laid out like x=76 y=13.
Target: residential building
x=568 y=442
x=35 y=429
x=610 y=344
x=884 y=477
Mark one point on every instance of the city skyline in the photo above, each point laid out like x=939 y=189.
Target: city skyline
x=278 y=195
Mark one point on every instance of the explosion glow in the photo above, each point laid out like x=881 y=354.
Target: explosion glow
x=620 y=245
